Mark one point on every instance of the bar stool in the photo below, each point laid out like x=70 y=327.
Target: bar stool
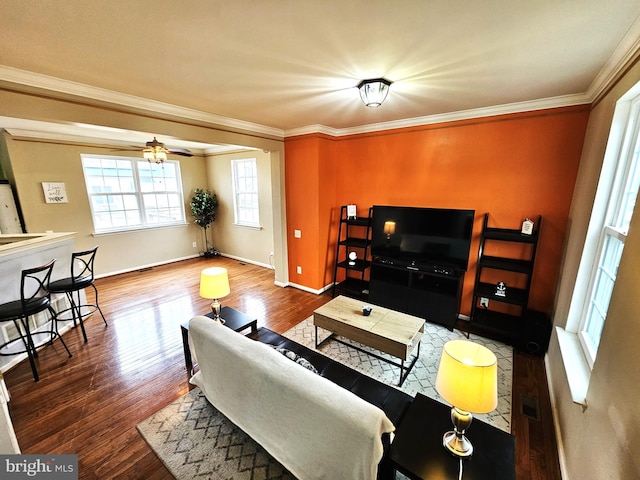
x=34 y=298
x=81 y=278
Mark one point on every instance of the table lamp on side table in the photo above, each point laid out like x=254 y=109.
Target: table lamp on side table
x=468 y=380
x=214 y=284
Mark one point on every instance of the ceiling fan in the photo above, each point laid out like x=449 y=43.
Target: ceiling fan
x=156 y=151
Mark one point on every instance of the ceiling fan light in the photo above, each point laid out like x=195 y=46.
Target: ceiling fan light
x=373 y=92
x=148 y=155
x=161 y=157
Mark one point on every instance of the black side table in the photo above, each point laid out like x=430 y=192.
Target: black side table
x=417 y=449
x=233 y=319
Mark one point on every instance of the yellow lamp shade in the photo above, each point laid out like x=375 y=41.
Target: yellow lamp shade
x=214 y=283
x=468 y=376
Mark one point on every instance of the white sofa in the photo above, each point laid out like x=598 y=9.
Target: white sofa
x=313 y=427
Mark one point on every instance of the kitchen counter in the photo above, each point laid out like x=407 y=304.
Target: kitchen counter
x=27 y=250
x=19 y=251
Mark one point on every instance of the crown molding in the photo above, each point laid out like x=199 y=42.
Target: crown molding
x=46 y=82
x=624 y=54
x=520 y=107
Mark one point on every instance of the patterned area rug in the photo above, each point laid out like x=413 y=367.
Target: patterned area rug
x=195 y=441
x=423 y=375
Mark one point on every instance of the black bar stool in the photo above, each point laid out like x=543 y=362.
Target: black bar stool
x=34 y=298
x=81 y=278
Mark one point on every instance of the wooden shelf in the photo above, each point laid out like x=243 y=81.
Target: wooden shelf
x=354 y=235
x=493 y=323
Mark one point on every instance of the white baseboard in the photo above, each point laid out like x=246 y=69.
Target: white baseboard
x=246 y=260
x=556 y=421
x=144 y=267
x=307 y=289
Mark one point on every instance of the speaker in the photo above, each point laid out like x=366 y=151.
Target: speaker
x=536 y=334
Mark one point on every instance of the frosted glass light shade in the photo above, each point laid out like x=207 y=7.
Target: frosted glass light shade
x=373 y=92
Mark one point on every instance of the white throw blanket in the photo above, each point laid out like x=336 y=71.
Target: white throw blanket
x=315 y=428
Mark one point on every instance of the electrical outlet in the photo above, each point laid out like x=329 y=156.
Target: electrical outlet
x=194 y=245
x=484 y=302
x=297 y=234
x=299 y=270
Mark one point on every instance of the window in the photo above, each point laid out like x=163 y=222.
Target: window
x=245 y=192
x=613 y=233
x=131 y=193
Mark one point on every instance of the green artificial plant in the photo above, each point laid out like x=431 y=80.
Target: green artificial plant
x=204 y=206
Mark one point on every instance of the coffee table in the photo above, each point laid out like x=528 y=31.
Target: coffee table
x=233 y=319
x=385 y=330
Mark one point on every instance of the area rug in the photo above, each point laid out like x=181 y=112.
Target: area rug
x=423 y=375
x=195 y=441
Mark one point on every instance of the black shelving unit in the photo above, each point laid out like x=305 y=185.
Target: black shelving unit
x=505 y=318
x=354 y=235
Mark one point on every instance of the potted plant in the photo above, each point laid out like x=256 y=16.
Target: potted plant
x=204 y=206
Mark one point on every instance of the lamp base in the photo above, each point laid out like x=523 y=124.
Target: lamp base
x=216 y=307
x=460 y=446
x=454 y=440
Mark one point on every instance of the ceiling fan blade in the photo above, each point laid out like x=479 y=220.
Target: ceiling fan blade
x=155 y=145
x=181 y=151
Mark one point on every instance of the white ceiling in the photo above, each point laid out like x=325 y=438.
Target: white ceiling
x=292 y=65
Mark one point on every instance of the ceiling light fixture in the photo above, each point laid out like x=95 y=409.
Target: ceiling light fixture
x=374 y=91
x=155 y=151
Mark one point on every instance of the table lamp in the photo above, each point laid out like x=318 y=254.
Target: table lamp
x=468 y=380
x=214 y=284
x=389 y=228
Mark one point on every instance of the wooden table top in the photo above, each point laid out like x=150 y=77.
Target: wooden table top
x=389 y=331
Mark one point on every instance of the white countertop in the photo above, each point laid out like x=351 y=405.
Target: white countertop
x=15 y=242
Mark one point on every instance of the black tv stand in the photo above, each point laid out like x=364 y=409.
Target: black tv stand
x=427 y=291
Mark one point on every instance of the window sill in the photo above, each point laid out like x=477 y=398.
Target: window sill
x=138 y=229
x=250 y=227
x=575 y=365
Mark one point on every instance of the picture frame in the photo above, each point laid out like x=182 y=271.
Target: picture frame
x=55 y=192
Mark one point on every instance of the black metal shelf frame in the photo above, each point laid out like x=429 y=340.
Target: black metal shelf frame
x=494 y=323
x=354 y=234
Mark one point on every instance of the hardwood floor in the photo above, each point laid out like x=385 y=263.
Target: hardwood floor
x=91 y=403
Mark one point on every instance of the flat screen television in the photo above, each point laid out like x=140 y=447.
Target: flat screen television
x=424 y=236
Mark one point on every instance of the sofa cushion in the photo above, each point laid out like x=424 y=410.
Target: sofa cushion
x=295 y=358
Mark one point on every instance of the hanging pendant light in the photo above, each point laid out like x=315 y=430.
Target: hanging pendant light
x=374 y=91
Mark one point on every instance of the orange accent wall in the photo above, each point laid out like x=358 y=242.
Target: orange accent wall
x=510 y=166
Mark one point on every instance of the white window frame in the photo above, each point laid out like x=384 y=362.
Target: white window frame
x=246 y=198
x=133 y=191
x=578 y=358
x=622 y=187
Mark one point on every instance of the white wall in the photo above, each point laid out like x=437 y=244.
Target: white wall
x=26 y=162
x=35 y=161
x=601 y=441
x=237 y=241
